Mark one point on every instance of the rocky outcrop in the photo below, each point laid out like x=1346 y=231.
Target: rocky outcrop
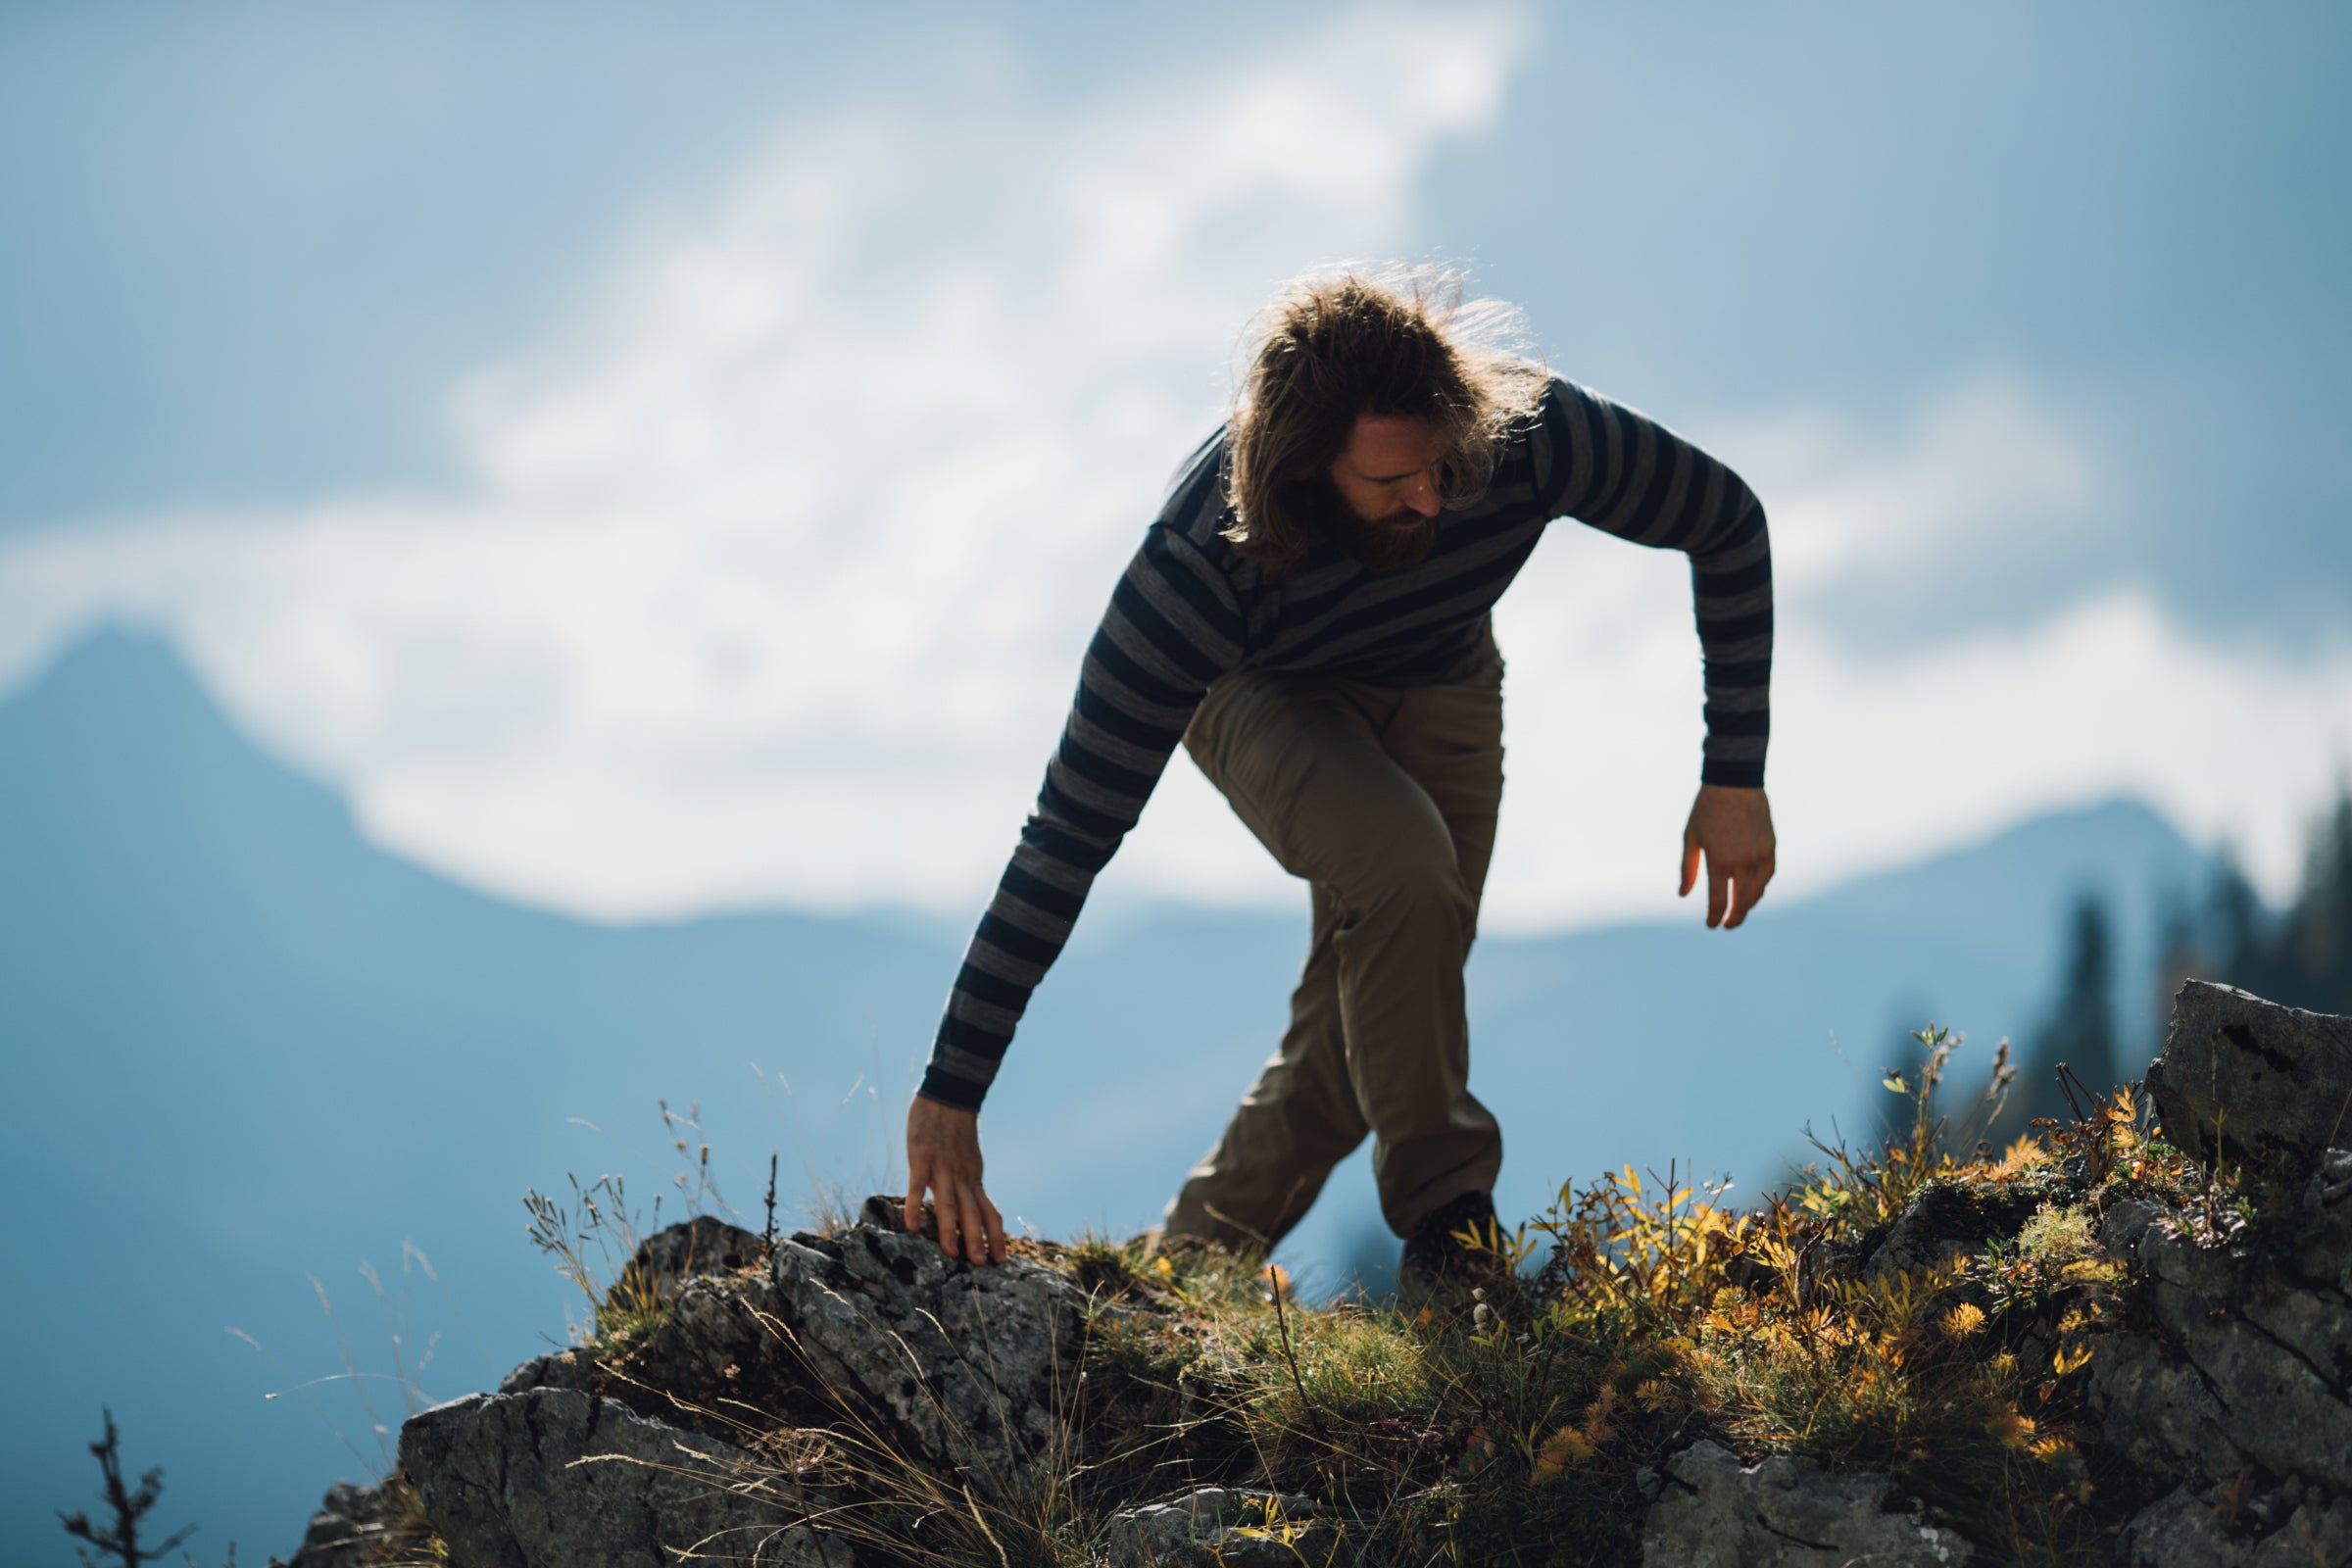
x=2241 y=1369
x=2237 y=1379
x=553 y=1476
x=704 y=1248
x=616 y=1455
x=2186 y=1531
x=2244 y=1079
x=2219 y=1375
x=2236 y=1387
x=353 y=1527
x=1713 y=1512
x=959 y=1367
x=1946 y=1220
x=970 y=1368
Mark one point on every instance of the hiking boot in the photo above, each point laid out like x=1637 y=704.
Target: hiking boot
x=1435 y=1256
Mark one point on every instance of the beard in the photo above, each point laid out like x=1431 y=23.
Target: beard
x=1391 y=543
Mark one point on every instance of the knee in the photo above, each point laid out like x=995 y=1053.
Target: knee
x=1411 y=871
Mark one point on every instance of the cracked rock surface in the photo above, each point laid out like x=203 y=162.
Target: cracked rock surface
x=2187 y=1531
x=1783 y=1514
x=348 y=1530
x=2234 y=1375
x=963 y=1369
x=2246 y=1079
x=2238 y=1387
x=553 y=1478
x=970 y=1367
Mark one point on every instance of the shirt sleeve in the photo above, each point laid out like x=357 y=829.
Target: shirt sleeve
x=1174 y=625
x=1626 y=474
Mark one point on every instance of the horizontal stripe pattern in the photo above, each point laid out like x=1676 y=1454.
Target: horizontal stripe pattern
x=1187 y=609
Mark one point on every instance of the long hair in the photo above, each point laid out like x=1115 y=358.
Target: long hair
x=1364 y=340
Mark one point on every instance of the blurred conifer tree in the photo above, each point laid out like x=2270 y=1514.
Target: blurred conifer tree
x=2079 y=1032
x=2301 y=959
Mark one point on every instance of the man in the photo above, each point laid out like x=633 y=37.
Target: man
x=1309 y=615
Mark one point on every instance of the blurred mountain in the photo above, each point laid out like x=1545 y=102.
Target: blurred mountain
x=242 y=1046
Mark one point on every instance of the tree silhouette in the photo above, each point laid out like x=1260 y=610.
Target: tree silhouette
x=2079 y=1032
x=120 y=1543
x=2303 y=957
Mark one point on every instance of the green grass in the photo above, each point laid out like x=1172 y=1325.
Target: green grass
x=1515 y=1427
x=1519 y=1425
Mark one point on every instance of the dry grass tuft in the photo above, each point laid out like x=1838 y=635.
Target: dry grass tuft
x=1518 y=1423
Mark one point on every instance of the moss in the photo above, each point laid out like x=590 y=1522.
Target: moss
x=2059 y=1236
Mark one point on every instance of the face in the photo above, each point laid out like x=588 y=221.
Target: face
x=1388 y=472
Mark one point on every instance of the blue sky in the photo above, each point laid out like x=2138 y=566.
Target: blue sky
x=659 y=461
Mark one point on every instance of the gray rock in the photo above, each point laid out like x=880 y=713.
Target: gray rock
x=2158 y=1412
x=554 y=1479
x=2242 y=1079
x=1946 y=1219
x=941 y=1363
x=972 y=1368
x=559 y=1369
x=1783 y=1514
x=698 y=1249
x=2324 y=1250
x=2126 y=1223
x=720 y=1341
x=350 y=1529
x=2258 y=1379
x=1219 y=1527
x=2184 y=1531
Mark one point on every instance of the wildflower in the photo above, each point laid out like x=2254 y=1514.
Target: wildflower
x=1962 y=1321
x=2051 y=1451
x=2013 y=1427
x=1560 y=1450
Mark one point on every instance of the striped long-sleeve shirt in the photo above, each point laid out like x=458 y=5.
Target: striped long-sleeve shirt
x=1189 y=609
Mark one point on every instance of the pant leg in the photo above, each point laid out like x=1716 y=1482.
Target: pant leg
x=1300 y=1118
x=1396 y=868
x=1295 y=1123
x=1448 y=740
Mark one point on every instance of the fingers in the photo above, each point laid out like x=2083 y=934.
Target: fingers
x=1748 y=891
x=996 y=1229
x=1731 y=830
x=969 y=1225
x=948 y=1204
x=943 y=1159
x=918 y=1180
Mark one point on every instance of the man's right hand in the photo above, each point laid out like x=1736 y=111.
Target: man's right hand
x=942 y=1157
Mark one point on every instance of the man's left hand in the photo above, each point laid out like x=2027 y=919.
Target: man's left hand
x=1732 y=828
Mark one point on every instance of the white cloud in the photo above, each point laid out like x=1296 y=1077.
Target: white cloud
x=1880 y=757
x=1986 y=467
x=776 y=571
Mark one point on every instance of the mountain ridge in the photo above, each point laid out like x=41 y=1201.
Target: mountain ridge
x=265 y=1048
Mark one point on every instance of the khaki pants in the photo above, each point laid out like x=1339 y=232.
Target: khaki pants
x=1384 y=799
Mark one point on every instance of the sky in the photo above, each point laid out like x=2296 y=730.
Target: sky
x=665 y=461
